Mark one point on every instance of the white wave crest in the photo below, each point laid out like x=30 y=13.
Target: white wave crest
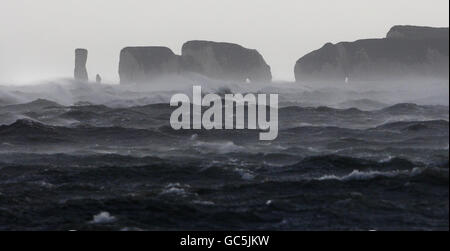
x=368 y=175
x=103 y=218
x=218 y=147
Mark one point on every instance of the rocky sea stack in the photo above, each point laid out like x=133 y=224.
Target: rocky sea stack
x=225 y=61
x=222 y=61
x=80 y=72
x=143 y=64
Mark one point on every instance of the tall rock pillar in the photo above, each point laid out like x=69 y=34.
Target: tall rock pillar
x=80 y=72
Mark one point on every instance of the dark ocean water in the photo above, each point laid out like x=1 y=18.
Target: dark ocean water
x=121 y=167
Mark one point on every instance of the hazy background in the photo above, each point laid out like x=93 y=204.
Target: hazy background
x=37 y=38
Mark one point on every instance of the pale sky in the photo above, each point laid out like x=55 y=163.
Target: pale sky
x=37 y=37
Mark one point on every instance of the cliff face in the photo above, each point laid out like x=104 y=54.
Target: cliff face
x=222 y=61
x=80 y=72
x=225 y=61
x=143 y=64
x=406 y=52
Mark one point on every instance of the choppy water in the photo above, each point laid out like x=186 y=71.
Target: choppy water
x=112 y=162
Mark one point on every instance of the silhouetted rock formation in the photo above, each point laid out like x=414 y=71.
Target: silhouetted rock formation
x=407 y=52
x=143 y=64
x=80 y=72
x=225 y=61
x=417 y=32
x=98 y=79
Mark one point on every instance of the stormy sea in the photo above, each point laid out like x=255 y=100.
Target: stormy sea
x=86 y=156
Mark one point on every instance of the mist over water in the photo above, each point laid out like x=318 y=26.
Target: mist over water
x=104 y=157
x=69 y=92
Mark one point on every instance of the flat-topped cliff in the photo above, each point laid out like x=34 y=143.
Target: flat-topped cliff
x=407 y=51
x=142 y=64
x=222 y=61
x=225 y=61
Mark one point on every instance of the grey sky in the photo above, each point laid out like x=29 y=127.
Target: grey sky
x=37 y=37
